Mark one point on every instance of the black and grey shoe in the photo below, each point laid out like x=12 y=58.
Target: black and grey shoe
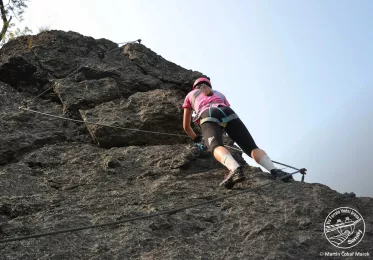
x=232 y=178
x=277 y=174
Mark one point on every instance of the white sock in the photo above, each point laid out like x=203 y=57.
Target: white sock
x=229 y=162
x=266 y=162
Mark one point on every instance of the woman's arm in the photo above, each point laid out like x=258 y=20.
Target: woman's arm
x=186 y=123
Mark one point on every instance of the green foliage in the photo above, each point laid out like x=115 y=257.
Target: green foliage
x=14 y=8
x=14 y=33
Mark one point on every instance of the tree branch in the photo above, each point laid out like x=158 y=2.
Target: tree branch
x=5 y=20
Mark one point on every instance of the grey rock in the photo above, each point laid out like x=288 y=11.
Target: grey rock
x=57 y=174
x=351 y=194
x=29 y=62
x=22 y=132
x=69 y=63
x=86 y=94
x=155 y=65
x=154 y=111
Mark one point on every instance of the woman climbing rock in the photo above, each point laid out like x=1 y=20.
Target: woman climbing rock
x=213 y=114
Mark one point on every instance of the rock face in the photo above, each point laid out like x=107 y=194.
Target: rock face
x=57 y=174
x=155 y=110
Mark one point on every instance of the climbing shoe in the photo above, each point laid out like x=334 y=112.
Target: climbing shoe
x=277 y=173
x=232 y=178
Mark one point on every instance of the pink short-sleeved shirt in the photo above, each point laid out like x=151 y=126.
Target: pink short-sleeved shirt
x=202 y=102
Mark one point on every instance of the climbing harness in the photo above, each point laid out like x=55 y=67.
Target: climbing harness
x=199 y=91
x=223 y=122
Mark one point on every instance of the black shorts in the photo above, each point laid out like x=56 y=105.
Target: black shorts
x=213 y=133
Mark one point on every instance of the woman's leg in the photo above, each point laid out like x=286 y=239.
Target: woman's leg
x=213 y=137
x=224 y=156
x=263 y=159
x=239 y=133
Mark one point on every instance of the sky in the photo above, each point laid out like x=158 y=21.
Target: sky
x=298 y=73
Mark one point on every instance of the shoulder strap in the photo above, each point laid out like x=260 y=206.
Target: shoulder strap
x=195 y=94
x=220 y=95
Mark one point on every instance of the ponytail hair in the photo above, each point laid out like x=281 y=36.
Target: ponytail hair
x=206 y=89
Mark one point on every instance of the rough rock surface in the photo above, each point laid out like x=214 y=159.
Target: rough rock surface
x=22 y=132
x=57 y=174
x=155 y=110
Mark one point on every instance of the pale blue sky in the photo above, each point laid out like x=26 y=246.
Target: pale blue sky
x=298 y=73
